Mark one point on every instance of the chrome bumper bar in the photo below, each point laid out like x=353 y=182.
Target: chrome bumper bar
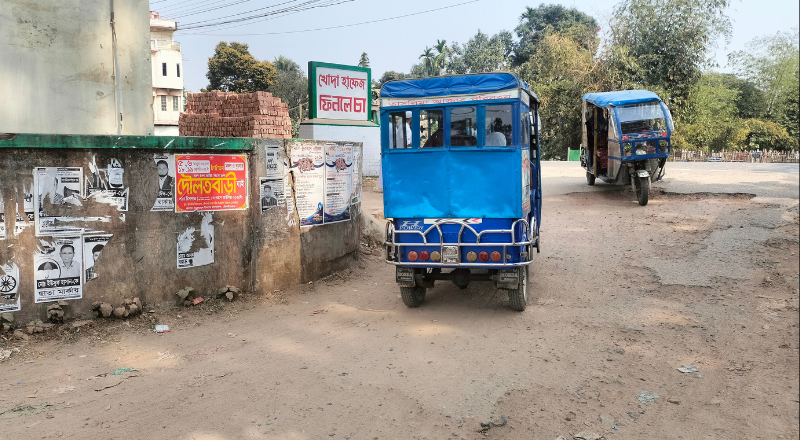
x=392 y=248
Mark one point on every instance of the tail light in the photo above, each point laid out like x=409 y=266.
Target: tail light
x=624 y=138
x=412 y=256
x=436 y=256
x=472 y=256
x=483 y=256
x=424 y=255
x=495 y=256
x=663 y=134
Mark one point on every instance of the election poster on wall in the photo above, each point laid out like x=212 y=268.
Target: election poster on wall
x=338 y=182
x=308 y=167
x=93 y=246
x=206 y=182
x=165 y=183
x=9 y=287
x=106 y=184
x=57 y=269
x=196 y=247
x=53 y=187
x=27 y=217
x=339 y=91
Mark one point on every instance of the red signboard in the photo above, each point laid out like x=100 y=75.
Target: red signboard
x=206 y=182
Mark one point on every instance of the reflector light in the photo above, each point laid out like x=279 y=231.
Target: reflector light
x=624 y=138
x=436 y=256
x=664 y=134
x=412 y=256
x=472 y=256
x=423 y=255
x=483 y=256
x=495 y=256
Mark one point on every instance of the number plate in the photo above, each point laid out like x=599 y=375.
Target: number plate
x=405 y=276
x=450 y=254
x=508 y=278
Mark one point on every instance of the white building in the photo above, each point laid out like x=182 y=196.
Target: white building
x=167 y=76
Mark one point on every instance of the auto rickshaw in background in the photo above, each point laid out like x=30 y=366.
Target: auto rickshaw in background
x=626 y=139
x=461 y=182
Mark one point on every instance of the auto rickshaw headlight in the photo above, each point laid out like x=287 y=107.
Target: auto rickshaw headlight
x=472 y=256
x=495 y=256
x=436 y=256
x=412 y=256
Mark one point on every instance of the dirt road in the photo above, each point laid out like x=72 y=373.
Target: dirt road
x=623 y=296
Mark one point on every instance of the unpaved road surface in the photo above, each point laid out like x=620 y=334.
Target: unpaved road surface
x=705 y=275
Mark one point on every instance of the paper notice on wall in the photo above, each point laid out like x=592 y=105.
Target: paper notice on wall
x=308 y=167
x=2 y=219
x=106 y=184
x=338 y=182
x=274 y=162
x=9 y=288
x=288 y=193
x=93 y=246
x=356 y=173
x=196 y=248
x=271 y=193
x=27 y=217
x=165 y=183
x=57 y=267
x=210 y=182
x=55 y=188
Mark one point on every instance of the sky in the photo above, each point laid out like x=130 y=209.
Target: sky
x=396 y=44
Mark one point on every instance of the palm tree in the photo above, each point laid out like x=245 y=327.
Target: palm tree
x=427 y=58
x=283 y=64
x=441 y=57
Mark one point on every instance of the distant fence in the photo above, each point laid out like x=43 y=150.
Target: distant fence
x=768 y=156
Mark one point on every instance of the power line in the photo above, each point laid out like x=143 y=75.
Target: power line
x=341 y=26
x=241 y=13
x=311 y=4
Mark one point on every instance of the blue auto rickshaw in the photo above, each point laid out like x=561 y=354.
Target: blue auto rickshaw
x=461 y=182
x=626 y=139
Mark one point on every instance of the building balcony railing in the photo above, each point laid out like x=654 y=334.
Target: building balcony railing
x=156 y=45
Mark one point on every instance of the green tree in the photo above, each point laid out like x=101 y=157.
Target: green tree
x=364 y=60
x=669 y=40
x=291 y=85
x=536 y=23
x=485 y=54
x=441 y=56
x=234 y=69
x=428 y=61
x=710 y=122
x=390 y=75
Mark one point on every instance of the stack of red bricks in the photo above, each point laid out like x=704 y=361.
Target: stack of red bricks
x=227 y=114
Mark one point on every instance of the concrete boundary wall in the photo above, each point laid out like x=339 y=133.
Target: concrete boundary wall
x=253 y=250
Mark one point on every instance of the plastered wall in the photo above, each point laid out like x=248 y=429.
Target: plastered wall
x=255 y=249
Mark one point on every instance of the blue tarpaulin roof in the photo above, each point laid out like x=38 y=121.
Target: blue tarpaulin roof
x=453 y=85
x=622 y=97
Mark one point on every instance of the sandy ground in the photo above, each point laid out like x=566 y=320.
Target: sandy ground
x=705 y=275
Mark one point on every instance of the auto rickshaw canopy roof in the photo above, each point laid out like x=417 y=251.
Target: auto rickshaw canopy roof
x=454 y=85
x=621 y=97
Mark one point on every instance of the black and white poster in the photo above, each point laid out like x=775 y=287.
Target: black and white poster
x=196 y=247
x=55 y=186
x=27 y=217
x=165 y=183
x=57 y=269
x=2 y=220
x=9 y=288
x=92 y=248
x=271 y=193
x=107 y=184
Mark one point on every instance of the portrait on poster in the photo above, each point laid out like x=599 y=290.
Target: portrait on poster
x=55 y=186
x=57 y=269
x=196 y=247
x=164 y=189
x=271 y=193
x=93 y=246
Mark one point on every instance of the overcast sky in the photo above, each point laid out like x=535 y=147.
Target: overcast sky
x=396 y=44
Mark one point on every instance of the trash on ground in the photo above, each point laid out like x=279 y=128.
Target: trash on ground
x=119 y=371
x=162 y=328
x=688 y=369
x=197 y=300
x=647 y=397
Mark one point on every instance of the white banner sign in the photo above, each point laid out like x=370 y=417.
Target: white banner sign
x=342 y=94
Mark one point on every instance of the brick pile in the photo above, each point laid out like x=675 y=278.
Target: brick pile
x=227 y=114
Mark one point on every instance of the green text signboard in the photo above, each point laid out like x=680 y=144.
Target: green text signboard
x=337 y=91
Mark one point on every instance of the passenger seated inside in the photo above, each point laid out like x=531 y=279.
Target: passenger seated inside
x=495 y=139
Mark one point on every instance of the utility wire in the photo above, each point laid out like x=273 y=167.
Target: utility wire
x=311 y=4
x=242 y=13
x=341 y=26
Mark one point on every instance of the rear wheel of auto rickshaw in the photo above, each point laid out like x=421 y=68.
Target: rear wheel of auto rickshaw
x=590 y=178
x=412 y=296
x=642 y=185
x=519 y=297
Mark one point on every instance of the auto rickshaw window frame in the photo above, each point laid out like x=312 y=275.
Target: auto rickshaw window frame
x=476 y=125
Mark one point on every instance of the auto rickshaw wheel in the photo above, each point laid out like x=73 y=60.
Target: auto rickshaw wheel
x=412 y=296
x=590 y=178
x=519 y=297
x=642 y=185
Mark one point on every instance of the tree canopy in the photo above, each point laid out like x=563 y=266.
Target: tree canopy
x=234 y=69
